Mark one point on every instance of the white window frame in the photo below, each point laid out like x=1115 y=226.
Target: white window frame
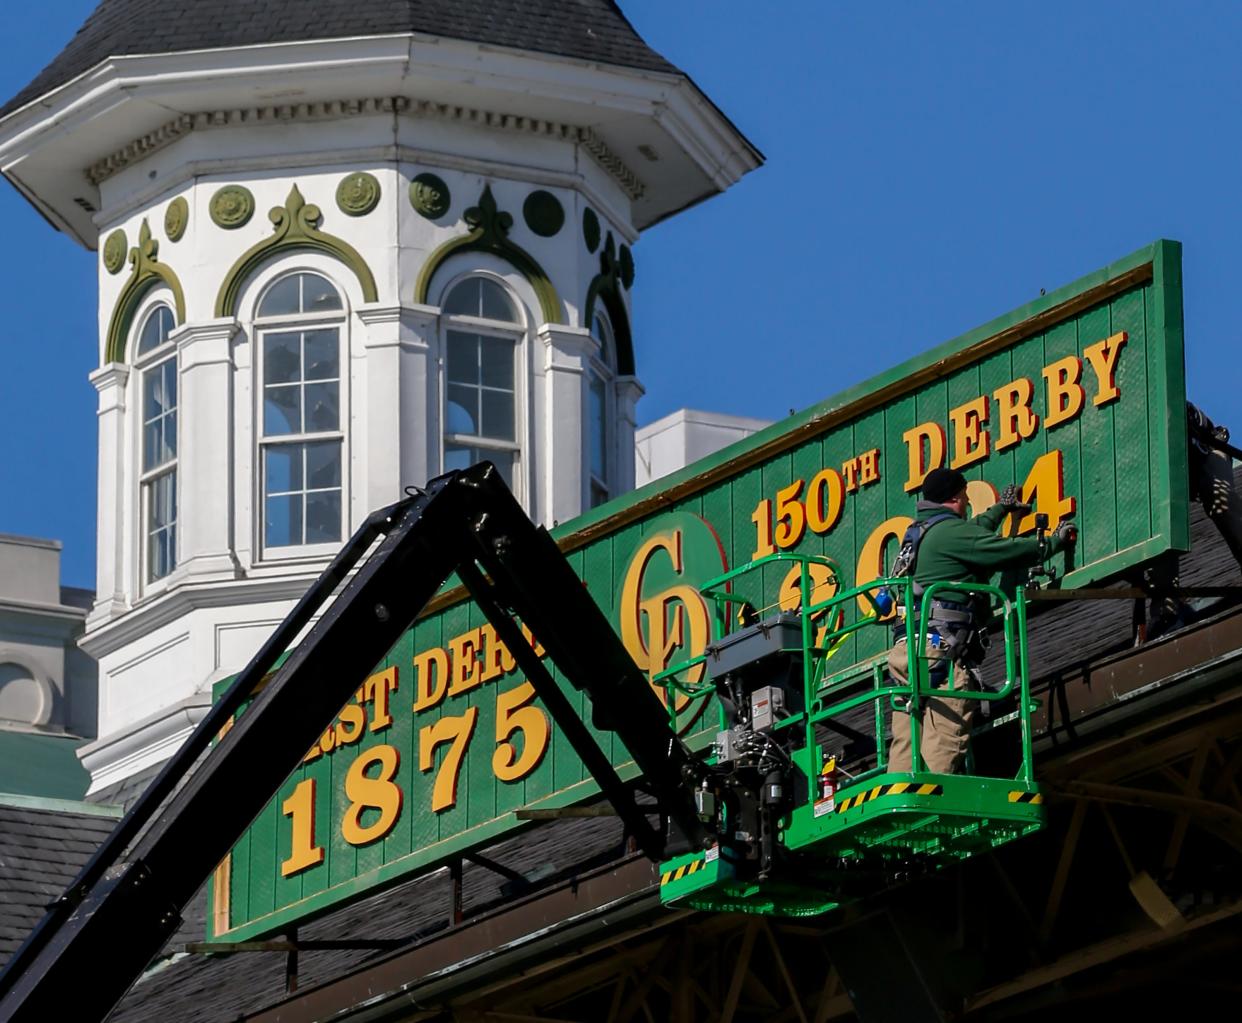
x=516 y=331
x=601 y=366
x=338 y=319
x=143 y=364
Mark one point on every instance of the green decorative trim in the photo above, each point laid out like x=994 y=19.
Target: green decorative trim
x=148 y=273
x=625 y=267
x=114 y=251
x=590 y=229
x=297 y=227
x=358 y=194
x=489 y=233
x=430 y=196
x=543 y=213
x=176 y=217
x=232 y=207
x=73 y=806
x=605 y=287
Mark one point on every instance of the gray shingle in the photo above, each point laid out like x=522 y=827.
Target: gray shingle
x=594 y=30
x=41 y=852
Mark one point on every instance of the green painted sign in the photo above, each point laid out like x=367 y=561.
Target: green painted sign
x=1079 y=397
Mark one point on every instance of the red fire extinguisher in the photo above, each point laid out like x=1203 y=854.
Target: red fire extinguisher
x=828 y=780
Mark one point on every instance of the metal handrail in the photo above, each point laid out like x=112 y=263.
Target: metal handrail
x=819 y=648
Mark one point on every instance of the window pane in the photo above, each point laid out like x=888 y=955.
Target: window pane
x=599 y=495
x=168 y=371
x=495 y=303
x=323 y=516
x=322 y=354
x=462 y=456
x=159 y=324
x=282 y=468
x=281 y=298
x=282 y=360
x=322 y=407
x=458 y=457
x=154 y=402
x=462 y=410
x=323 y=465
x=497 y=415
x=282 y=410
x=152 y=444
x=160 y=557
x=463 y=357
x=162 y=500
x=282 y=521
x=496 y=358
x=504 y=463
x=597 y=414
x=169 y=451
x=463 y=300
x=318 y=294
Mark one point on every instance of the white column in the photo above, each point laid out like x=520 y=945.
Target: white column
x=110 y=532
x=399 y=424
x=628 y=391
x=561 y=452
x=245 y=527
x=206 y=542
x=420 y=395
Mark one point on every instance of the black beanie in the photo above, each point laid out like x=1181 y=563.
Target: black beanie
x=943 y=485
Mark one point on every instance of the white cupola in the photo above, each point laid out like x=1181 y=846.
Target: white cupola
x=343 y=247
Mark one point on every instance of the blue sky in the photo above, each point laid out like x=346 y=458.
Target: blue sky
x=929 y=166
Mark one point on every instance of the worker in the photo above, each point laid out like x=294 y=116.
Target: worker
x=948 y=548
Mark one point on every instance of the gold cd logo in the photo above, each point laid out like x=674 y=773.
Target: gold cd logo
x=665 y=621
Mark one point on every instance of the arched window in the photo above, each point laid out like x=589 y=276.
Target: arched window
x=599 y=411
x=301 y=441
x=157 y=363
x=482 y=330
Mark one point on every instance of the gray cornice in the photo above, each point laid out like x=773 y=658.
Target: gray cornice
x=182 y=125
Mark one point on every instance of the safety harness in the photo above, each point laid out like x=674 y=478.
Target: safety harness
x=951 y=625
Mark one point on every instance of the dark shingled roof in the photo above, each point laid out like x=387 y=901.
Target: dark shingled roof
x=593 y=30
x=41 y=851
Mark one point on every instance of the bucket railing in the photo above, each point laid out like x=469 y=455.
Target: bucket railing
x=826 y=623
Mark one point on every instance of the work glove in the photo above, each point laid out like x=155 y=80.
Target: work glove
x=1011 y=499
x=1065 y=535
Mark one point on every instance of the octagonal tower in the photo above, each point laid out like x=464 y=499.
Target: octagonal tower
x=343 y=246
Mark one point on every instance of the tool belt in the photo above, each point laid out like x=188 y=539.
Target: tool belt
x=952 y=628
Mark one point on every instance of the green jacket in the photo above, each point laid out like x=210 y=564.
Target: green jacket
x=958 y=549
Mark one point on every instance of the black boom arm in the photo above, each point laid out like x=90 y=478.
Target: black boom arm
x=127 y=901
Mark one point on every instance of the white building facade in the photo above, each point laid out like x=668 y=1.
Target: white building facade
x=329 y=269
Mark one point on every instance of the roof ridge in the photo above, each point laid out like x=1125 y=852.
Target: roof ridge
x=592 y=30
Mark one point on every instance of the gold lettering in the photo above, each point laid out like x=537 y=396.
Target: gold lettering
x=825 y=498
x=923 y=460
x=497 y=660
x=970 y=440
x=380 y=793
x=868 y=467
x=850 y=471
x=1016 y=420
x=1103 y=358
x=466 y=668
x=376 y=690
x=431 y=676
x=871 y=558
x=350 y=725
x=1065 y=393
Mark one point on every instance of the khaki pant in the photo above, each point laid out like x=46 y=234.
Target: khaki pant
x=945 y=723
